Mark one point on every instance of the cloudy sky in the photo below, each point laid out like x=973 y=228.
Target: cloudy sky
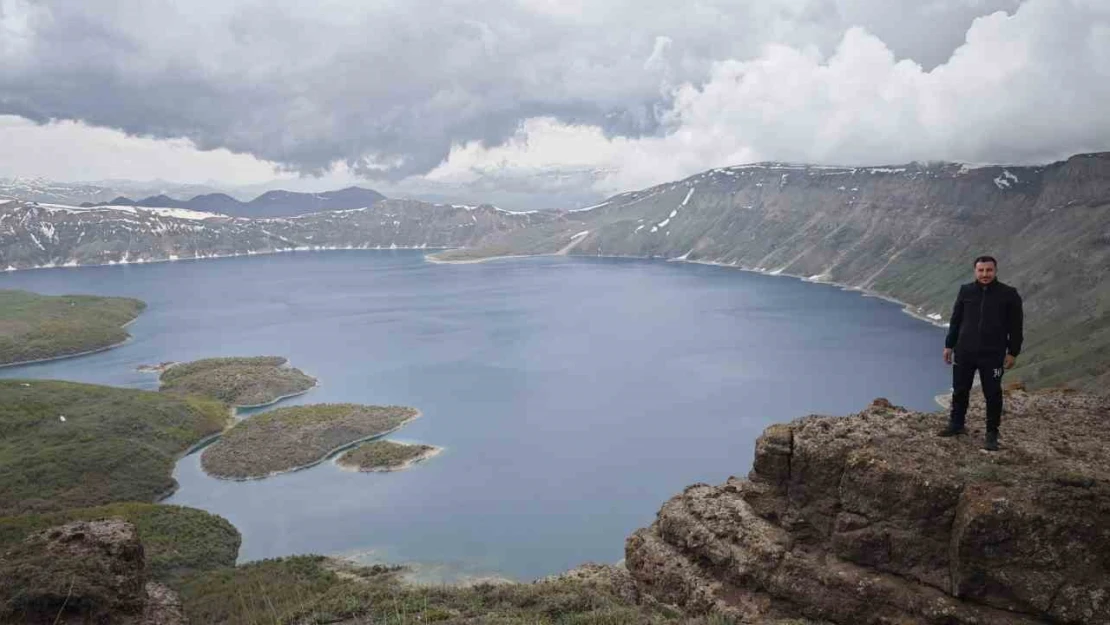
x=619 y=93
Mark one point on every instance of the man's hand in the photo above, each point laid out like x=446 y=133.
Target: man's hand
x=948 y=355
x=1008 y=362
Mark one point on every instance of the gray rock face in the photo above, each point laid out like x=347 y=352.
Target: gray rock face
x=873 y=519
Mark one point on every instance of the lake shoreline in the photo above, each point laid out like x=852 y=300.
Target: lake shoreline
x=66 y=356
x=192 y=449
x=237 y=407
x=907 y=308
x=144 y=261
x=78 y=354
x=474 y=261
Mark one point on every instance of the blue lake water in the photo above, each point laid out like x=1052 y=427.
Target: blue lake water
x=573 y=396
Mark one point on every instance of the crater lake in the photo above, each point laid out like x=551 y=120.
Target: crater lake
x=572 y=396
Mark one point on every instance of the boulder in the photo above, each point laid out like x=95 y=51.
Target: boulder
x=83 y=572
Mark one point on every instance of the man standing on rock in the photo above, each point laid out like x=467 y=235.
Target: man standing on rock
x=984 y=335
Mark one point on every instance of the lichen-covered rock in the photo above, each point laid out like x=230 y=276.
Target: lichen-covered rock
x=873 y=519
x=163 y=606
x=83 y=572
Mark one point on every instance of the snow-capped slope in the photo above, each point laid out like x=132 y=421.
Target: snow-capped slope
x=51 y=235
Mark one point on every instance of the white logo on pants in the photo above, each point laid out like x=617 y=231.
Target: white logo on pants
x=997 y=373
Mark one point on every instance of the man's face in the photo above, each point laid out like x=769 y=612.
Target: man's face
x=984 y=272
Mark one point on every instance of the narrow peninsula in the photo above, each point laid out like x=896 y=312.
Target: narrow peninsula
x=298 y=437
x=36 y=327
x=240 y=382
x=383 y=456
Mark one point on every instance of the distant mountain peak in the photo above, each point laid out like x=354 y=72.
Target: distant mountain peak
x=160 y=194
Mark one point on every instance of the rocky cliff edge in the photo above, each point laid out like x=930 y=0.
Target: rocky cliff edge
x=84 y=572
x=871 y=518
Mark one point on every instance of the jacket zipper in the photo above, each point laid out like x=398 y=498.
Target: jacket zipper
x=982 y=304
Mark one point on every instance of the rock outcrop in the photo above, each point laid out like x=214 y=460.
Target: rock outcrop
x=872 y=519
x=84 y=572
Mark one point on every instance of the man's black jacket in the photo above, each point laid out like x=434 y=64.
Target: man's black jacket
x=986 y=319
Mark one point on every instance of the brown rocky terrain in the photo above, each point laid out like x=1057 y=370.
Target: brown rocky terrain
x=871 y=518
x=84 y=572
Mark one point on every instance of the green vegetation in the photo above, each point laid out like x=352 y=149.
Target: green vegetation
x=1068 y=355
x=385 y=455
x=300 y=436
x=183 y=370
x=178 y=541
x=312 y=589
x=242 y=382
x=69 y=445
x=39 y=327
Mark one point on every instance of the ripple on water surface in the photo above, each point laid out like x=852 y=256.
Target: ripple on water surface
x=572 y=396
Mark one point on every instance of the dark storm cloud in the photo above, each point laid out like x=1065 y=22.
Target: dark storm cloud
x=389 y=88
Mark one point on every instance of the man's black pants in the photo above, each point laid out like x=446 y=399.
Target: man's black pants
x=989 y=366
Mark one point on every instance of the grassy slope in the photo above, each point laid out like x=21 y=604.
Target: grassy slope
x=35 y=327
x=305 y=589
x=288 y=438
x=114 y=445
x=178 y=541
x=237 y=381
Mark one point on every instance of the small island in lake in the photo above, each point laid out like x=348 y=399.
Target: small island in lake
x=288 y=439
x=240 y=382
x=385 y=456
x=37 y=327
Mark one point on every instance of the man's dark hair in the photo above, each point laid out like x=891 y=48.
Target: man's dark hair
x=986 y=259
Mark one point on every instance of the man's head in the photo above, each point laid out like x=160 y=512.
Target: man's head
x=985 y=269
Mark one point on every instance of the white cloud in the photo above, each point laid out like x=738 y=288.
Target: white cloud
x=1024 y=88
x=541 y=143
x=498 y=91
x=309 y=84
x=74 y=151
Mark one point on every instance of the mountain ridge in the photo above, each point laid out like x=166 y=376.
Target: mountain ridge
x=34 y=235
x=277 y=203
